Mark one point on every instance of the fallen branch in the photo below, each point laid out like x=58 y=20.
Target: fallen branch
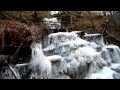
x=16 y=75
x=19 y=65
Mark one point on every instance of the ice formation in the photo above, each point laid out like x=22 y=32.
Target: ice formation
x=40 y=66
x=71 y=55
x=80 y=58
x=77 y=58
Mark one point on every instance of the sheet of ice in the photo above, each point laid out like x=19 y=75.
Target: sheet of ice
x=105 y=73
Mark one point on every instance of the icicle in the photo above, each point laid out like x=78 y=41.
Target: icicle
x=40 y=66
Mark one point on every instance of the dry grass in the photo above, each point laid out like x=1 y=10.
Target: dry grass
x=14 y=33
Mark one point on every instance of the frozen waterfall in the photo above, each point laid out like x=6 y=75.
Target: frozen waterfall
x=67 y=55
